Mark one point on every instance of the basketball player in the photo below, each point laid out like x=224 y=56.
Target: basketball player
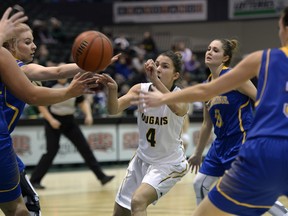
x=258 y=176
x=160 y=161
x=22 y=47
x=231 y=116
x=11 y=201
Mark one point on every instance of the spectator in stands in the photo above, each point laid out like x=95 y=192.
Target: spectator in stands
x=149 y=45
x=185 y=52
x=121 y=43
x=192 y=69
x=41 y=32
x=56 y=30
x=123 y=68
x=42 y=55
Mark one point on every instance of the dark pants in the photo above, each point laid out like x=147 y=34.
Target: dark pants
x=72 y=131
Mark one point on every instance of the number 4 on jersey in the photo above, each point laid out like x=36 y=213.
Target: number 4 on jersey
x=150 y=136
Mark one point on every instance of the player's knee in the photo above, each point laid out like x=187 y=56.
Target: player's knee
x=19 y=211
x=201 y=184
x=137 y=203
x=197 y=184
x=22 y=212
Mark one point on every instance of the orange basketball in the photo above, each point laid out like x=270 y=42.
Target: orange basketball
x=92 y=51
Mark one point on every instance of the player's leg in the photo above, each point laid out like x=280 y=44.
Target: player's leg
x=158 y=180
x=208 y=209
x=15 y=208
x=278 y=209
x=132 y=180
x=211 y=169
x=30 y=196
x=202 y=184
x=245 y=188
x=142 y=198
x=11 y=201
x=121 y=211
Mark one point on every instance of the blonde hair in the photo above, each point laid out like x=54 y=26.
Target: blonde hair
x=10 y=42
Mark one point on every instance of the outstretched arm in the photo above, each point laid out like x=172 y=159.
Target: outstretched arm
x=195 y=159
x=22 y=88
x=116 y=105
x=245 y=70
x=36 y=72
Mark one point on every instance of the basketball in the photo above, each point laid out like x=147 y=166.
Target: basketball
x=92 y=51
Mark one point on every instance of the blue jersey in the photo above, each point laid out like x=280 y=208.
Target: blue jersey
x=9 y=171
x=3 y=123
x=271 y=117
x=231 y=113
x=13 y=107
x=258 y=176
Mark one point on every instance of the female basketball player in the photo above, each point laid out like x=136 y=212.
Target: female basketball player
x=11 y=201
x=230 y=115
x=159 y=162
x=258 y=176
x=22 y=47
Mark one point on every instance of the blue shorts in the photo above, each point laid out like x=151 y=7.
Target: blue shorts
x=9 y=172
x=220 y=155
x=257 y=177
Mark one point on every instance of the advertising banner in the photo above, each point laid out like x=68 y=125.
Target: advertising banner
x=159 y=11
x=29 y=143
x=250 y=9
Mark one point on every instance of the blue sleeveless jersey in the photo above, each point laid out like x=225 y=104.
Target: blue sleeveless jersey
x=3 y=124
x=271 y=117
x=12 y=110
x=13 y=107
x=9 y=166
x=231 y=113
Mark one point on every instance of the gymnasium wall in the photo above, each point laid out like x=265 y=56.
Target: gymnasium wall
x=111 y=140
x=253 y=34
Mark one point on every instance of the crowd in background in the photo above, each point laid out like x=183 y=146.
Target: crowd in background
x=54 y=47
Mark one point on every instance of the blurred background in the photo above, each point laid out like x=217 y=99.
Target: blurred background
x=139 y=30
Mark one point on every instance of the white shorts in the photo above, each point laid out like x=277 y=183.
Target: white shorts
x=161 y=177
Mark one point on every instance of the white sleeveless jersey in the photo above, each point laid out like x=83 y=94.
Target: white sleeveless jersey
x=160 y=134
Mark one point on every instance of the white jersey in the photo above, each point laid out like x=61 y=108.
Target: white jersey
x=160 y=134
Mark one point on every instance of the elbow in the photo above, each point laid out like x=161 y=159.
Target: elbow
x=112 y=108
x=112 y=111
x=31 y=100
x=36 y=101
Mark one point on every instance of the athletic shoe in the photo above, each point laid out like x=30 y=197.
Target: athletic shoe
x=106 y=179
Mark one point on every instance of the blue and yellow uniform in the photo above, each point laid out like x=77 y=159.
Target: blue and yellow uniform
x=13 y=108
x=9 y=171
x=231 y=114
x=258 y=176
